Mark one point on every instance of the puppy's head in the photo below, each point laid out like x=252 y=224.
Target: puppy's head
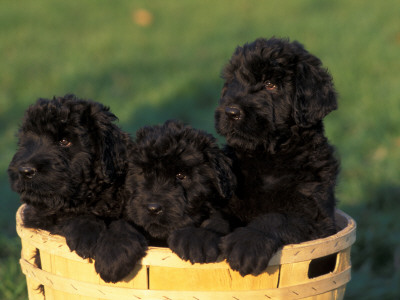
x=270 y=86
x=177 y=174
x=63 y=144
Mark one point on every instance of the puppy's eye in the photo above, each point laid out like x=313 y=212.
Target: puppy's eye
x=270 y=86
x=180 y=176
x=65 y=143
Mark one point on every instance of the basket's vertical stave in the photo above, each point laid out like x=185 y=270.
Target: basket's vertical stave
x=66 y=268
x=28 y=253
x=83 y=271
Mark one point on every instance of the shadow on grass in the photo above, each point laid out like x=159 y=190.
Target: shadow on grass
x=376 y=254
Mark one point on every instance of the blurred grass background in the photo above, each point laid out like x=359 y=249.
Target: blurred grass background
x=155 y=60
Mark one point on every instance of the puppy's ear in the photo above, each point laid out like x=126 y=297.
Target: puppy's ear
x=315 y=95
x=111 y=142
x=225 y=180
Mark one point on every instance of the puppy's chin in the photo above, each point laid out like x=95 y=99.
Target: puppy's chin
x=243 y=142
x=235 y=137
x=240 y=140
x=41 y=201
x=158 y=231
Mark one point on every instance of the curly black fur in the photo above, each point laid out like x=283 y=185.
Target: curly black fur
x=70 y=170
x=273 y=101
x=179 y=180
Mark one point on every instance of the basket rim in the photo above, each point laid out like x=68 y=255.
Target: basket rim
x=159 y=256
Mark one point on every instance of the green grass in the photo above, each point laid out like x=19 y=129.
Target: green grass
x=171 y=69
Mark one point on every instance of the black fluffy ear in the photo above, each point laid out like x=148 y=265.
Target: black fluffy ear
x=114 y=158
x=315 y=95
x=111 y=142
x=225 y=180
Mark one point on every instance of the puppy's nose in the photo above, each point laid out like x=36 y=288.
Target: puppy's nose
x=27 y=171
x=232 y=112
x=154 y=208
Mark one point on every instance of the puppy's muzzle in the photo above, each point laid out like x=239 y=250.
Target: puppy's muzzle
x=233 y=113
x=154 y=208
x=27 y=172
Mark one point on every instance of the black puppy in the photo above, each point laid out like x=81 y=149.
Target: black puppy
x=273 y=101
x=70 y=170
x=179 y=180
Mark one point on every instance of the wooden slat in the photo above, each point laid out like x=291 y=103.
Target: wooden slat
x=343 y=260
x=165 y=278
x=293 y=274
x=28 y=252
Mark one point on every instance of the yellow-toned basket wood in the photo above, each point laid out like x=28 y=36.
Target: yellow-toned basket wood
x=163 y=275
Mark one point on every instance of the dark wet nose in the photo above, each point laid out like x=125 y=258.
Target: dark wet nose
x=154 y=208
x=27 y=171
x=232 y=112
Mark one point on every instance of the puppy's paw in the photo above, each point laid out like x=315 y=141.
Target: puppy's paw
x=118 y=250
x=81 y=234
x=198 y=245
x=248 y=251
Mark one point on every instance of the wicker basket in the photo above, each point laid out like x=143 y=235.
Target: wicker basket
x=318 y=269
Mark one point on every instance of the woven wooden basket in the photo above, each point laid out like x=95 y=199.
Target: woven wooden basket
x=318 y=269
